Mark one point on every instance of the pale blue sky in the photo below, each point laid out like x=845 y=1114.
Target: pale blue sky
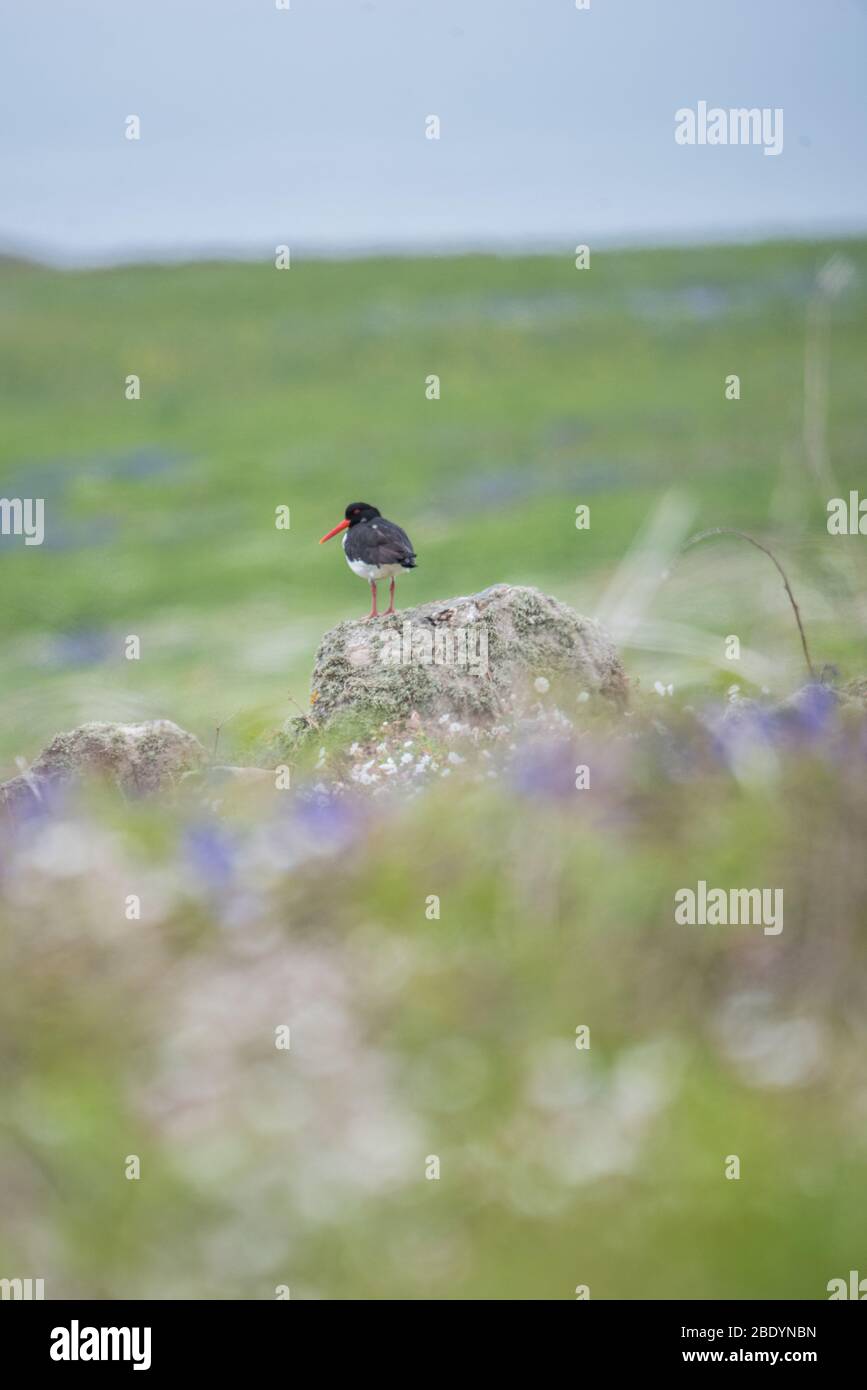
x=306 y=126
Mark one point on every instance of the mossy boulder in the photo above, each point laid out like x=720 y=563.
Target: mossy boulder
x=137 y=758
x=478 y=657
x=854 y=692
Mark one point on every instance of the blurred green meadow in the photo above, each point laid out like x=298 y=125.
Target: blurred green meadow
x=450 y=1035
x=306 y=388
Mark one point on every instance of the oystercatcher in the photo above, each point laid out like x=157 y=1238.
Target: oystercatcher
x=374 y=548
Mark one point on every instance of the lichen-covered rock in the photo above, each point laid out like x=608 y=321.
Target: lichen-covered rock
x=20 y=793
x=474 y=656
x=138 y=758
x=854 y=692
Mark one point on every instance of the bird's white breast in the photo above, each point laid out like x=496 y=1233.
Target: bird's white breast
x=366 y=571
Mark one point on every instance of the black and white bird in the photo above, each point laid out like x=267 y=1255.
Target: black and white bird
x=374 y=548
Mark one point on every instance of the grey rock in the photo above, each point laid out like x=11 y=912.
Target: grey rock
x=475 y=656
x=20 y=793
x=137 y=758
x=854 y=692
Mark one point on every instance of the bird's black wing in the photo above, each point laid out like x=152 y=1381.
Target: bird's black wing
x=380 y=542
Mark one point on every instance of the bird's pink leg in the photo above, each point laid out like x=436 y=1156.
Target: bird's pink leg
x=373 y=613
x=390 y=608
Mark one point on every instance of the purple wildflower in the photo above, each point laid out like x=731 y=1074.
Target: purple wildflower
x=210 y=853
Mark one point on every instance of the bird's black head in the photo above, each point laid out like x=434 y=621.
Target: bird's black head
x=355 y=512
x=360 y=511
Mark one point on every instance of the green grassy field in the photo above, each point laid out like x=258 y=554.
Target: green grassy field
x=306 y=388
x=450 y=1036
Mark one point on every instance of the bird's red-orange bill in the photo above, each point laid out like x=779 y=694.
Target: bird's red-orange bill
x=341 y=526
